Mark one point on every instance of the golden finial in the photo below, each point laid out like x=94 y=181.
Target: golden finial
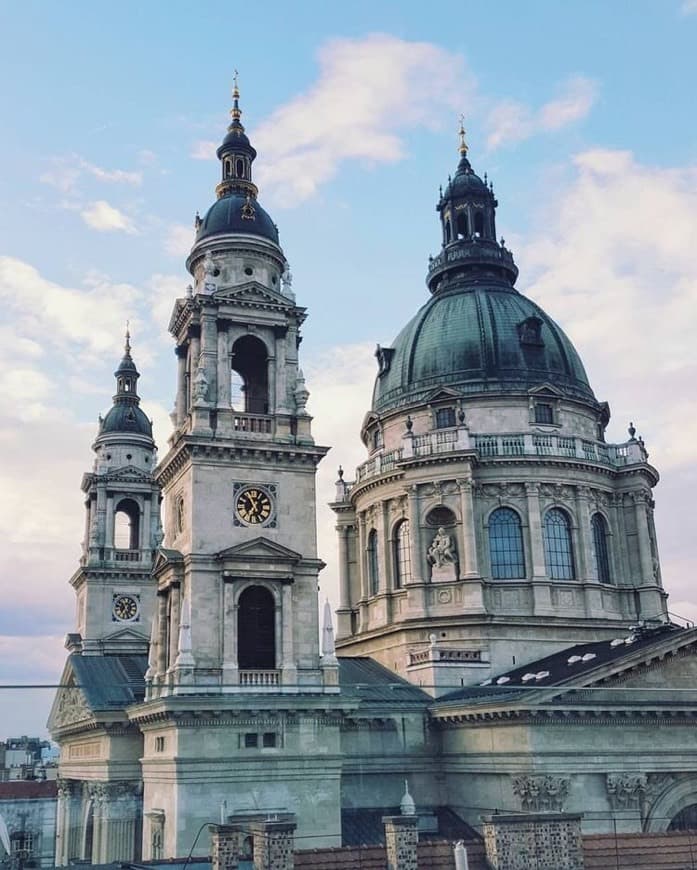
x=127 y=347
x=463 y=144
x=235 y=111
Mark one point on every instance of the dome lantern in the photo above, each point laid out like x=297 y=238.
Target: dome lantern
x=467 y=209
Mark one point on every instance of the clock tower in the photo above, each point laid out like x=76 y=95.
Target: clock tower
x=235 y=676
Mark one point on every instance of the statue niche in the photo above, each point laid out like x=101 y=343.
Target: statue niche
x=442 y=553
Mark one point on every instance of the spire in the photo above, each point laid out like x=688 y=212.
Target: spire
x=127 y=374
x=235 y=111
x=125 y=416
x=463 y=149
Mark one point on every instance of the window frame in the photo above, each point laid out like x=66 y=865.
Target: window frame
x=497 y=567
x=562 y=555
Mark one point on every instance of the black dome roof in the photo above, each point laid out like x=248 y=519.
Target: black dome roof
x=226 y=216
x=479 y=338
x=126 y=418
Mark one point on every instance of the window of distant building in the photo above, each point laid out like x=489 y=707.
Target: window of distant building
x=445 y=418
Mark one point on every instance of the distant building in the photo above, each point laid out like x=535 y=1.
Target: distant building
x=29 y=811
x=502 y=626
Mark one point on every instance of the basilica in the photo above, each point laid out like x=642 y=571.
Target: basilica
x=502 y=640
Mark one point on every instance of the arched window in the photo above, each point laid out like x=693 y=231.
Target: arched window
x=506 y=545
x=250 y=363
x=373 y=570
x=402 y=555
x=228 y=169
x=479 y=224
x=462 y=226
x=558 y=549
x=256 y=629
x=447 y=232
x=445 y=417
x=686 y=819
x=126 y=525
x=600 y=546
x=240 y=168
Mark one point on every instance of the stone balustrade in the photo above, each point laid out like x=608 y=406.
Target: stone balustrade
x=260 y=678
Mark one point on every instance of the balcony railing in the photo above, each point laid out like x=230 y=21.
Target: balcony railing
x=255 y=424
x=260 y=678
x=487 y=446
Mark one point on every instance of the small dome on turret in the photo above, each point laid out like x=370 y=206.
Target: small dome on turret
x=126 y=415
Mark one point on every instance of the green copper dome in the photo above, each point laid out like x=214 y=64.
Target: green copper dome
x=477 y=334
x=476 y=340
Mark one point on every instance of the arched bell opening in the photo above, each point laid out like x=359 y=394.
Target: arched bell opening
x=256 y=629
x=250 y=364
x=127 y=525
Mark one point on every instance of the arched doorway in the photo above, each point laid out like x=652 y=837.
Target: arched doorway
x=256 y=629
x=250 y=362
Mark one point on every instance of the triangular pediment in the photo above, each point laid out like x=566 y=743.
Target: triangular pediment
x=545 y=390
x=70 y=704
x=442 y=394
x=254 y=293
x=259 y=549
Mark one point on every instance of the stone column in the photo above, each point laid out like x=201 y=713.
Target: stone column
x=180 y=406
x=384 y=551
x=363 y=574
x=162 y=635
x=67 y=821
x=415 y=535
x=542 y=598
x=470 y=563
x=343 y=628
x=209 y=352
x=271 y=384
x=120 y=822
x=194 y=354
x=618 y=548
x=585 y=562
x=281 y=384
x=401 y=840
x=537 y=553
x=145 y=539
x=174 y=618
x=226 y=842
x=230 y=663
x=641 y=500
x=290 y=674
x=546 y=840
x=109 y=522
x=224 y=367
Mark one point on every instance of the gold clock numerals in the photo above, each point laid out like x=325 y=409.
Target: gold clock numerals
x=125 y=608
x=253 y=506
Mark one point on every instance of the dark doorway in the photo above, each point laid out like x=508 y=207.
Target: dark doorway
x=250 y=361
x=256 y=630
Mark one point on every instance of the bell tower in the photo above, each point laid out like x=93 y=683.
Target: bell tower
x=240 y=553
x=115 y=593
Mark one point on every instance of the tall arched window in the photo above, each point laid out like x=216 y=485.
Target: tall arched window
x=402 y=555
x=373 y=571
x=506 y=545
x=479 y=224
x=463 y=230
x=558 y=549
x=256 y=631
x=600 y=546
x=126 y=525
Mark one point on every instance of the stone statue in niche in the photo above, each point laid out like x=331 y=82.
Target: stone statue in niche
x=442 y=557
x=210 y=273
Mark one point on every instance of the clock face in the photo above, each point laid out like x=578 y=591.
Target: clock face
x=253 y=506
x=124 y=608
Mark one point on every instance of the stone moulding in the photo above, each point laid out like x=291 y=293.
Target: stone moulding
x=544 y=793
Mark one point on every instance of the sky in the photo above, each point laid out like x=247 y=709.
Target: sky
x=581 y=113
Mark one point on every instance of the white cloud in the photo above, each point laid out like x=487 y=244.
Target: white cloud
x=510 y=121
x=369 y=92
x=204 y=149
x=103 y=217
x=179 y=240
x=65 y=172
x=91 y=317
x=617 y=267
x=689 y=7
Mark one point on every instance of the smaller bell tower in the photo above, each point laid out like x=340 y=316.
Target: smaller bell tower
x=115 y=592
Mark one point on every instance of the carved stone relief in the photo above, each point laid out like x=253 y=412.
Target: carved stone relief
x=541 y=793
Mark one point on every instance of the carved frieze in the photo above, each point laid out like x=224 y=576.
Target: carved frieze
x=72 y=707
x=541 y=793
x=626 y=791
x=503 y=490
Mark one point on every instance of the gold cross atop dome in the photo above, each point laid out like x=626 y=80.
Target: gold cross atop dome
x=463 y=144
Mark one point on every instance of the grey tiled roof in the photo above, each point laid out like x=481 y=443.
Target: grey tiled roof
x=363 y=678
x=112 y=681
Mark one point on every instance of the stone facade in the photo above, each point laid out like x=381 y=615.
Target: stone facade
x=401 y=838
x=549 y=841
